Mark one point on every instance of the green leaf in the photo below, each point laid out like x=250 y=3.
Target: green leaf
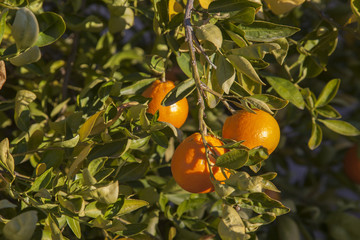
x=328 y=93
x=52 y=27
x=160 y=138
x=54 y=227
x=133 y=171
x=231 y=5
x=68 y=143
x=287 y=90
x=182 y=90
x=42 y=181
x=120 y=19
x=3 y=22
x=211 y=33
x=6 y=159
x=341 y=127
x=231 y=226
x=131 y=205
x=30 y=55
x=233 y=159
x=245 y=16
x=260 y=31
x=342 y=225
x=137 y=87
x=89 y=124
x=75 y=204
x=106 y=194
x=25 y=28
x=257 y=155
x=4 y=203
x=91 y=23
x=225 y=73
x=288 y=229
x=280 y=54
x=243 y=65
x=237 y=38
x=256 y=51
x=328 y=112
x=355 y=7
x=95 y=209
x=184 y=62
x=261 y=203
x=190 y=204
x=316 y=136
x=21 y=227
x=22 y=113
x=273 y=102
x=82 y=152
x=113 y=209
x=74 y=226
x=259 y=104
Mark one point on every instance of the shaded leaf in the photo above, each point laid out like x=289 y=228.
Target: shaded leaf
x=182 y=90
x=231 y=5
x=233 y=159
x=52 y=27
x=22 y=113
x=6 y=159
x=190 y=204
x=21 y=227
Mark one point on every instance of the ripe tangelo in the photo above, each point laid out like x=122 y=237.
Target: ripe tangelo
x=352 y=164
x=255 y=129
x=176 y=114
x=190 y=168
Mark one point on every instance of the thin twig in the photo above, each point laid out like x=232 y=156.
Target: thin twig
x=197 y=43
x=223 y=100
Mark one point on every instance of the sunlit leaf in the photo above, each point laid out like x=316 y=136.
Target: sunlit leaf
x=287 y=90
x=341 y=127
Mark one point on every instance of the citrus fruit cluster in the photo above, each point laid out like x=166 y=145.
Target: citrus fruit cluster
x=189 y=165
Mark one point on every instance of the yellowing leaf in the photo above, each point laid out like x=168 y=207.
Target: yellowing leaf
x=174 y=8
x=283 y=6
x=86 y=128
x=205 y=3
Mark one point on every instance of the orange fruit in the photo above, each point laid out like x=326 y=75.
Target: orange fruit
x=352 y=164
x=190 y=168
x=255 y=129
x=176 y=113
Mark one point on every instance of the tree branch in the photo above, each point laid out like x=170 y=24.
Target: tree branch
x=195 y=72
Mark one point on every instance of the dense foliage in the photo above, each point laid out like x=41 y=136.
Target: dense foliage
x=80 y=157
